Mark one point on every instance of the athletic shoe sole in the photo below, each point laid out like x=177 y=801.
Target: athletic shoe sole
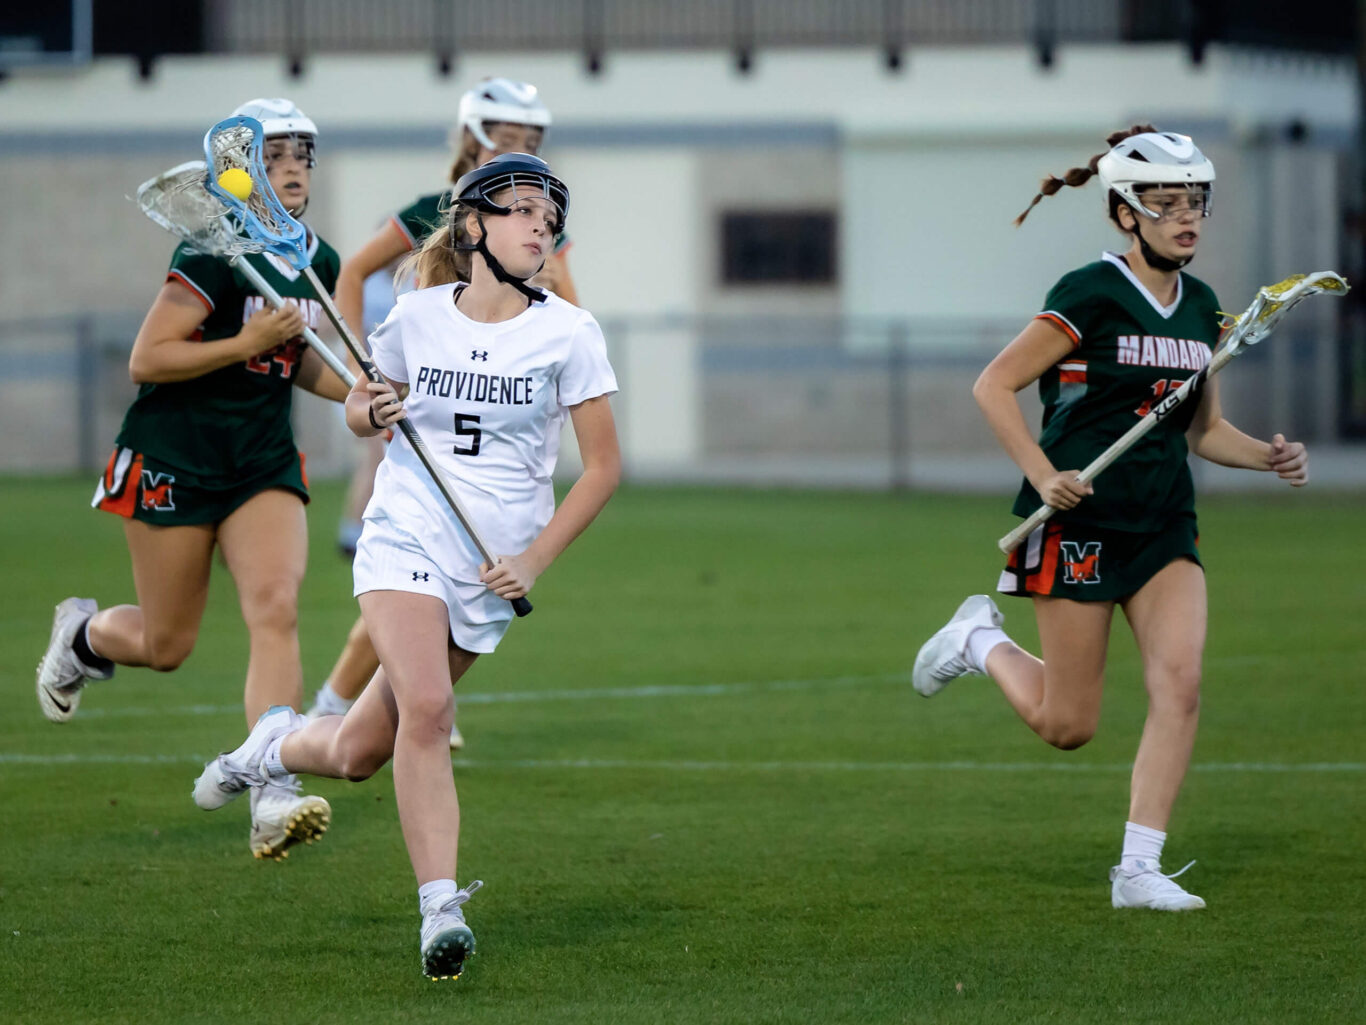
x=445 y=958
x=306 y=824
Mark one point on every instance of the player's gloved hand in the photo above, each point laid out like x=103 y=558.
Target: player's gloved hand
x=386 y=409
x=1061 y=490
x=269 y=327
x=1290 y=461
x=512 y=578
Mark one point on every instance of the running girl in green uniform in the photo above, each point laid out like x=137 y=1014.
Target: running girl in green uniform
x=1113 y=338
x=206 y=458
x=497 y=116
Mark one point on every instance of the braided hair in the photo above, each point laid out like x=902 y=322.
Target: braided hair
x=1079 y=176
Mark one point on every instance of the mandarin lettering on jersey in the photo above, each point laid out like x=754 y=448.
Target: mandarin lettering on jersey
x=1155 y=351
x=311 y=309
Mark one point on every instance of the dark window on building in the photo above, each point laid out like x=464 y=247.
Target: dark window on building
x=778 y=248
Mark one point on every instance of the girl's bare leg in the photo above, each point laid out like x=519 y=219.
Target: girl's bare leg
x=171 y=576
x=265 y=544
x=411 y=632
x=1168 y=617
x=1059 y=695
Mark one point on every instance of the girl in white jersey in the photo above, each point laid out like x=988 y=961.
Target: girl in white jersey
x=499 y=115
x=487 y=373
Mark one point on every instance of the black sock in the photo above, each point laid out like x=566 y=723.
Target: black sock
x=82 y=649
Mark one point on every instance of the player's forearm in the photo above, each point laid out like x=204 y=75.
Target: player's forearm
x=358 y=414
x=1226 y=445
x=579 y=508
x=317 y=377
x=172 y=360
x=1007 y=422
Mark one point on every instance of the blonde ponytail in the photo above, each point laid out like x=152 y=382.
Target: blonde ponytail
x=438 y=262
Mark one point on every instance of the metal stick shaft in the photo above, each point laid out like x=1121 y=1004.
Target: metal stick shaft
x=274 y=298
x=1121 y=445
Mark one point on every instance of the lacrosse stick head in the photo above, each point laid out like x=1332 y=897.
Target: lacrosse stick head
x=237 y=142
x=179 y=201
x=1274 y=301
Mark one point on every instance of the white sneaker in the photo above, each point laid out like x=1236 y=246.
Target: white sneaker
x=945 y=657
x=282 y=817
x=457 y=738
x=1146 y=887
x=61 y=675
x=446 y=939
x=232 y=773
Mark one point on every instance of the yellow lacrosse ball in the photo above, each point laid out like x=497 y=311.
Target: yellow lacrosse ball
x=236 y=182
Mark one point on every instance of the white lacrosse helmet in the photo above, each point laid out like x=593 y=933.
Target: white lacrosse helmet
x=1154 y=158
x=501 y=99
x=278 y=117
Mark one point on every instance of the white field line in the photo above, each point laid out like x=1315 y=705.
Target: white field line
x=667 y=691
x=609 y=764
x=698 y=690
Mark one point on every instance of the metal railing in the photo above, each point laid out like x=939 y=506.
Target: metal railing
x=747 y=400
x=299 y=28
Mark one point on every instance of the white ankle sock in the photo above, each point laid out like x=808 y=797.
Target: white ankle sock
x=438 y=891
x=980 y=643
x=1142 y=843
x=329 y=702
x=270 y=761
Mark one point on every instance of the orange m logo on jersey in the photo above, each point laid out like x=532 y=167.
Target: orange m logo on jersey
x=156 y=490
x=1081 y=561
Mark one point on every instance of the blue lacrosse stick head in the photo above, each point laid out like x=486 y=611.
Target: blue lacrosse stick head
x=269 y=223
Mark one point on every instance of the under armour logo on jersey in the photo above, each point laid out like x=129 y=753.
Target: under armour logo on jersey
x=419 y=576
x=480 y=354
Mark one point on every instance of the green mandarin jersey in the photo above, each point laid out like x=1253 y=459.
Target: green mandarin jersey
x=231 y=424
x=419 y=219
x=1128 y=352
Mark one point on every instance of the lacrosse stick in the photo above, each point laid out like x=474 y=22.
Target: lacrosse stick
x=1271 y=303
x=236 y=142
x=178 y=201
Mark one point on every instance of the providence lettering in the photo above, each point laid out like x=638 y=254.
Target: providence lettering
x=491 y=388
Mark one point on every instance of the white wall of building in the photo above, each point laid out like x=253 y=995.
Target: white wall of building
x=925 y=167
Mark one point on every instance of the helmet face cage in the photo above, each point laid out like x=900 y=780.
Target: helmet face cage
x=302 y=144
x=1200 y=196
x=525 y=185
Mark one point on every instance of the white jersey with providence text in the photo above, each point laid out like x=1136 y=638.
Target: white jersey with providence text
x=489 y=401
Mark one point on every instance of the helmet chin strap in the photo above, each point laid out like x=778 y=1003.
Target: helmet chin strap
x=481 y=247
x=1156 y=261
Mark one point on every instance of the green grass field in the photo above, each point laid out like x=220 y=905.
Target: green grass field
x=699 y=788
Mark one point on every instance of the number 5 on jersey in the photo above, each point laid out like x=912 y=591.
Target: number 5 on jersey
x=462 y=429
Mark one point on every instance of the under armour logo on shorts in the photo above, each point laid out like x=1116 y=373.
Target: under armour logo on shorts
x=481 y=354
x=419 y=576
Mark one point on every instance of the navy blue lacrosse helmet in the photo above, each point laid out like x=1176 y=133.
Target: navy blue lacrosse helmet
x=512 y=170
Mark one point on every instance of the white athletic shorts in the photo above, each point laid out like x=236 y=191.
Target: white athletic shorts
x=390 y=559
